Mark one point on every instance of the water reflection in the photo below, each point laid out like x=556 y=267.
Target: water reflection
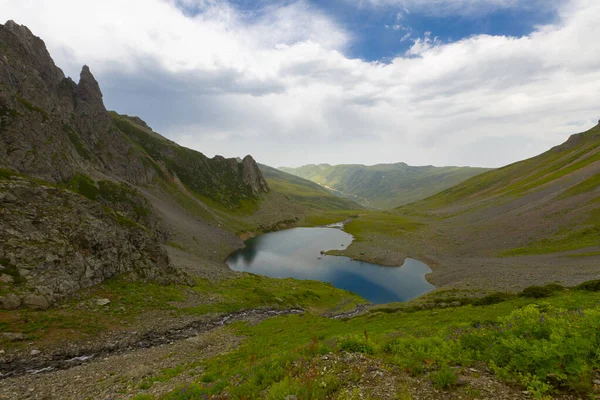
x=295 y=253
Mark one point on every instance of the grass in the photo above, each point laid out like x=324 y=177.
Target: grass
x=380 y=223
x=77 y=142
x=583 y=255
x=7 y=173
x=515 y=179
x=250 y=291
x=521 y=340
x=33 y=108
x=588 y=185
x=320 y=218
x=73 y=319
x=564 y=240
x=84 y=185
x=303 y=191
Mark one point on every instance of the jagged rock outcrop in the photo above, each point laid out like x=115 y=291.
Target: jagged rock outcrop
x=53 y=128
x=54 y=242
x=253 y=177
x=223 y=180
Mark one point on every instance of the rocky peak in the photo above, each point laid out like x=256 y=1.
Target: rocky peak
x=53 y=128
x=88 y=89
x=20 y=42
x=253 y=177
x=88 y=102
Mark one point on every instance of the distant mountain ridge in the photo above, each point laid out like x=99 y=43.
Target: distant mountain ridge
x=304 y=191
x=384 y=186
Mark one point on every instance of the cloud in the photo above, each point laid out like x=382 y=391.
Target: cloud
x=275 y=81
x=459 y=7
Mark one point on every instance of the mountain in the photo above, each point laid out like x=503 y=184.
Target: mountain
x=304 y=191
x=384 y=186
x=89 y=194
x=546 y=204
x=54 y=128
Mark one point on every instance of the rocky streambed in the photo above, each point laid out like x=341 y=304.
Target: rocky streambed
x=37 y=362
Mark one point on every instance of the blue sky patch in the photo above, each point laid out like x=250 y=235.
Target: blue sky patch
x=381 y=33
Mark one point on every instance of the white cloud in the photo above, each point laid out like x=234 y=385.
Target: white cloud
x=459 y=7
x=276 y=84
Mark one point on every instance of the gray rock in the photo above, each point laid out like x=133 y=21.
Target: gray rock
x=80 y=244
x=7 y=198
x=35 y=352
x=13 y=337
x=10 y=302
x=36 y=302
x=102 y=302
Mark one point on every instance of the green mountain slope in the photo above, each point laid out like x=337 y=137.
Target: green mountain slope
x=546 y=204
x=304 y=191
x=384 y=186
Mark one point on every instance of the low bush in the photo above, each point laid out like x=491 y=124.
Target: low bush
x=356 y=344
x=538 y=292
x=443 y=379
x=492 y=298
x=590 y=286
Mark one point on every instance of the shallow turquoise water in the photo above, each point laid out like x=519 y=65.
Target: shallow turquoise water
x=295 y=253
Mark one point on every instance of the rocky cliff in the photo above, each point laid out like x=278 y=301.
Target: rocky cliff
x=53 y=128
x=70 y=213
x=226 y=181
x=55 y=242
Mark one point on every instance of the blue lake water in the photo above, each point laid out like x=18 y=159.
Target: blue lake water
x=295 y=253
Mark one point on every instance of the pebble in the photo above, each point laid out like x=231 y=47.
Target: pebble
x=35 y=352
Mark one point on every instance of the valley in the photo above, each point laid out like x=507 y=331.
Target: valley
x=115 y=243
x=384 y=186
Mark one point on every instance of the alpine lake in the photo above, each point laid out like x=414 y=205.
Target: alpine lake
x=297 y=253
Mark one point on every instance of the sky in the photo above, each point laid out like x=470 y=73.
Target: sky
x=294 y=82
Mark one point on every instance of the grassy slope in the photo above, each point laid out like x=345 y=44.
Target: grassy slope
x=551 y=198
x=304 y=191
x=524 y=176
x=80 y=319
x=385 y=185
x=543 y=344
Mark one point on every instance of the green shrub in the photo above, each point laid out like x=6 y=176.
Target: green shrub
x=538 y=292
x=530 y=344
x=77 y=142
x=85 y=186
x=492 y=298
x=356 y=344
x=443 y=379
x=143 y=397
x=6 y=173
x=590 y=286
